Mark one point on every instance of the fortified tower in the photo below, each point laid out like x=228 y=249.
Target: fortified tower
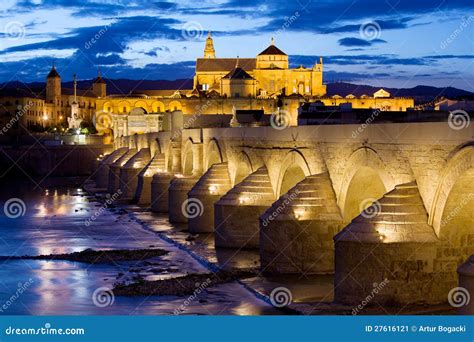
x=53 y=87
x=99 y=87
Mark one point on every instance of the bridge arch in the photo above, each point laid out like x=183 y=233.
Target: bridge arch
x=168 y=147
x=188 y=158
x=214 y=153
x=293 y=170
x=452 y=216
x=364 y=181
x=155 y=147
x=241 y=168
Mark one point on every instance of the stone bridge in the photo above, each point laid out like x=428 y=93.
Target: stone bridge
x=379 y=203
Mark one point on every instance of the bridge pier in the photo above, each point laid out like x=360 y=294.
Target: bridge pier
x=130 y=171
x=238 y=211
x=114 y=170
x=101 y=175
x=296 y=232
x=145 y=177
x=391 y=247
x=178 y=194
x=159 y=191
x=206 y=192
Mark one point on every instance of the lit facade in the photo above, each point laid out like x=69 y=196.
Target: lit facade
x=221 y=85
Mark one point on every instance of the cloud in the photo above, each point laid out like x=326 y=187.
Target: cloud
x=350 y=42
x=360 y=60
x=450 y=57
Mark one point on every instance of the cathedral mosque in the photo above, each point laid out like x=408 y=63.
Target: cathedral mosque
x=220 y=86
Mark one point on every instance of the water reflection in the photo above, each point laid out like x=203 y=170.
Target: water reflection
x=54 y=223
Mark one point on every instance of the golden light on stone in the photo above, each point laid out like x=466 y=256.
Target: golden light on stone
x=212 y=189
x=243 y=199
x=179 y=175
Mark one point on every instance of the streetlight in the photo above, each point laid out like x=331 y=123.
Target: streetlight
x=45 y=118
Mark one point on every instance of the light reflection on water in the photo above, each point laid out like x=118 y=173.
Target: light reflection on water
x=54 y=223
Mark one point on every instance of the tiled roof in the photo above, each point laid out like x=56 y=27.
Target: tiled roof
x=161 y=92
x=238 y=73
x=225 y=64
x=272 y=50
x=99 y=80
x=53 y=73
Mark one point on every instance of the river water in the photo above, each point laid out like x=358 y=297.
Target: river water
x=54 y=222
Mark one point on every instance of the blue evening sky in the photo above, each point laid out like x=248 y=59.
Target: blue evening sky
x=391 y=43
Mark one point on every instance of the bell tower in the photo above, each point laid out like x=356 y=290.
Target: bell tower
x=209 y=51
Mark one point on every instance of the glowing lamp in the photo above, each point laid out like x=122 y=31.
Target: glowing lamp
x=242 y=200
x=298 y=213
x=212 y=189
